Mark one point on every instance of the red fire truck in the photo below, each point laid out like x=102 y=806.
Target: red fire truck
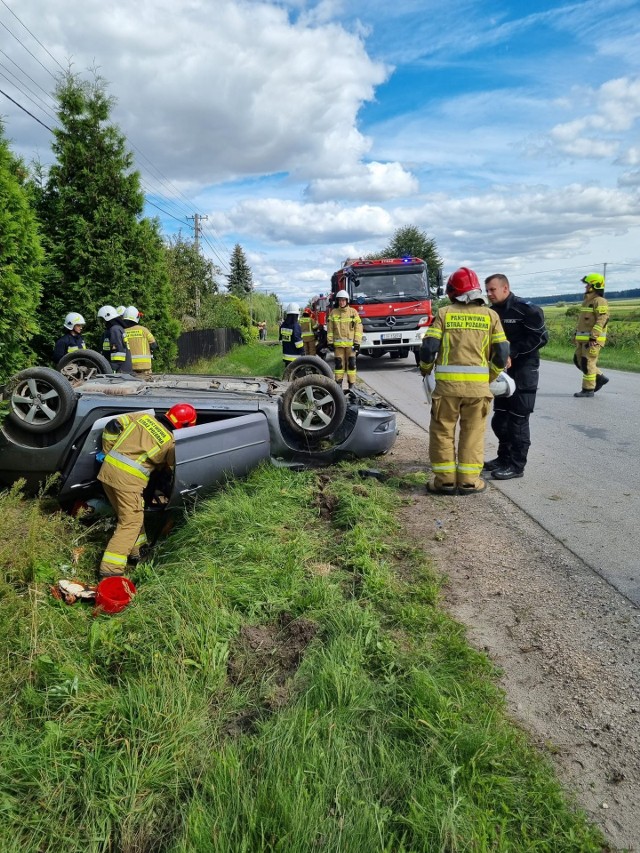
x=393 y=297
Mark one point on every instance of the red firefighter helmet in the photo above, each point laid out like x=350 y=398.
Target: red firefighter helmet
x=462 y=281
x=182 y=415
x=307 y=312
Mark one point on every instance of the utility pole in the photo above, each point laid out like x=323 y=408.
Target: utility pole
x=197 y=230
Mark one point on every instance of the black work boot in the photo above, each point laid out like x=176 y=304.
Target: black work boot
x=509 y=472
x=601 y=380
x=492 y=464
x=584 y=393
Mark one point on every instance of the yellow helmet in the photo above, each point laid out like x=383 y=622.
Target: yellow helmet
x=594 y=280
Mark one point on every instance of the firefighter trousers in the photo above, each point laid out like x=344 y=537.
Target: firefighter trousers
x=462 y=468
x=309 y=346
x=129 y=534
x=344 y=361
x=586 y=360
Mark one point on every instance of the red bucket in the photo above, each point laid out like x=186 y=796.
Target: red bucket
x=113 y=594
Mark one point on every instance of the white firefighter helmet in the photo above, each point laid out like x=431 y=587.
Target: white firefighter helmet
x=342 y=294
x=108 y=312
x=121 y=309
x=73 y=319
x=502 y=386
x=292 y=308
x=131 y=313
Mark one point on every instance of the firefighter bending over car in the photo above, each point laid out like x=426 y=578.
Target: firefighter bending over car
x=134 y=445
x=308 y=326
x=591 y=335
x=140 y=341
x=344 y=334
x=468 y=348
x=291 y=334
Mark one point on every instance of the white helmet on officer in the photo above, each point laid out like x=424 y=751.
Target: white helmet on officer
x=292 y=308
x=108 y=312
x=72 y=319
x=342 y=294
x=502 y=386
x=131 y=313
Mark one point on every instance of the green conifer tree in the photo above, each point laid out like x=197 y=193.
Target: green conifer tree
x=21 y=268
x=90 y=204
x=240 y=278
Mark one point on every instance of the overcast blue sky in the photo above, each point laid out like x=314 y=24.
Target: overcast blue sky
x=309 y=132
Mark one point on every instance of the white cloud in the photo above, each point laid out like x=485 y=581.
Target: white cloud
x=282 y=221
x=369 y=181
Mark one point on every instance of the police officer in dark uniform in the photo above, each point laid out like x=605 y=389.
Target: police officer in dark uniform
x=524 y=327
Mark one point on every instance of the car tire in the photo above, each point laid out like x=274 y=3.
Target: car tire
x=40 y=399
x=314 y=406
x=306 y=365
x=83 y=364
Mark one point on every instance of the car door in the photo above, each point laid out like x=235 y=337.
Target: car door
x=80 y=475
x=210 y=453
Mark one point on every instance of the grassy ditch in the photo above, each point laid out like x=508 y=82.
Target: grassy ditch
x=622 y=351
x=284 y=681
x=257 y=359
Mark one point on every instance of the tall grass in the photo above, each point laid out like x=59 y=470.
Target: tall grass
x=284 y=681
x=257 y=359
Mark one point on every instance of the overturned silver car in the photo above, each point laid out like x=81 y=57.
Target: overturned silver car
x=55 y=420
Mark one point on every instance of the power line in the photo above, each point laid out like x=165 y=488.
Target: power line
x=22 y=92
x=25 y=110
x=32 y=36
x=22 y=71
x=27 y=49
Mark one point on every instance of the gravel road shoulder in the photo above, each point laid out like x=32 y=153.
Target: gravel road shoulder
x=566 y=642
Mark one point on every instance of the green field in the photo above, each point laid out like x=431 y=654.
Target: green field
x=622 y=350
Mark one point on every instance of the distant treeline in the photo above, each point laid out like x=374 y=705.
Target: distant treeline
x=577 y=297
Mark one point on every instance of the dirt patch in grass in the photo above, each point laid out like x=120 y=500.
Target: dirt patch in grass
x=263 y=660
x=566 y=643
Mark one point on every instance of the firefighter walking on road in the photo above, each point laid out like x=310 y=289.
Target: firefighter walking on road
x=344 y=334
x=308 y=327
x=468 y=348
x=591 y=335
x=140 y=341
x=134 y=445
x=291 y=334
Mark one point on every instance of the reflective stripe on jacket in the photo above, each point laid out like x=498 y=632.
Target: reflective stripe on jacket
x=307 y=328
x=116 y=350
x=291 y=337
x=140 y=342
x=468 y=347
x=344 y=327
x=134 y=445
x=67 y=343
x=593 y=319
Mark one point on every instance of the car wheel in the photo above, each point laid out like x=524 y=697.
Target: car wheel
x=314 y=406
x=83 y=364
x=40 y=399
x=306 y=365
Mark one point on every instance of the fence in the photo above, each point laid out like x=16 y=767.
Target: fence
x=205 y=343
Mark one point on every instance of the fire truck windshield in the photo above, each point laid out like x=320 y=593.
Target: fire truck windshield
x=402 y=285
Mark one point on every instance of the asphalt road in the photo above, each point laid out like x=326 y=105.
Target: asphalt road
x=582 y=478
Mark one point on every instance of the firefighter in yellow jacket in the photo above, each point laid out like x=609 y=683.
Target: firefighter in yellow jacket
x=140 y=341
x=591 y=335
x=308 y=328
x=344 y=334
x=468 y=347
x=133 y=446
